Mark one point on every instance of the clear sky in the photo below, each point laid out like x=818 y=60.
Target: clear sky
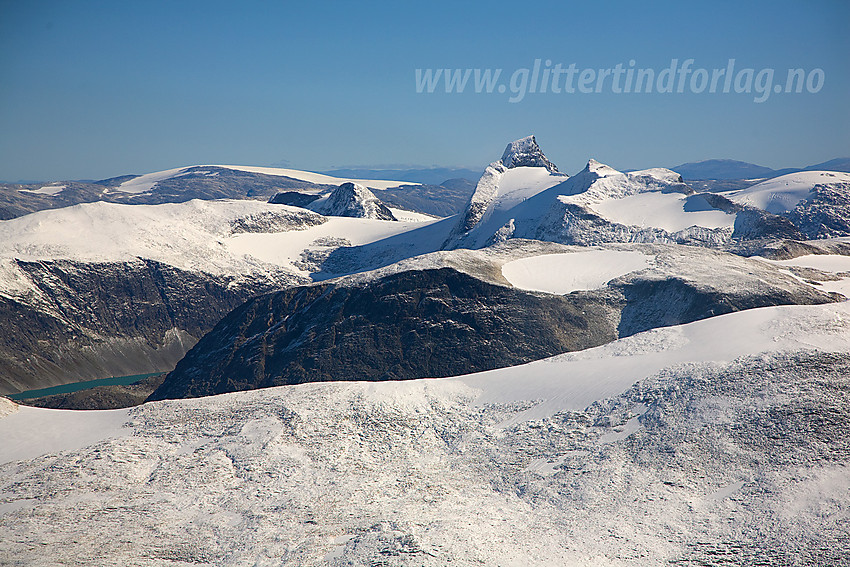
x=98 y=89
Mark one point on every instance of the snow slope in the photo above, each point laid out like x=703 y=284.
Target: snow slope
x=319 y=178
x=219 y=237
x=302 y=251
x=827 y=272
x=145 y=183
x=668 y=211
x=647 y=198
x=646 y=451
x=575 y=380
x=781 y=194
x=31 y=432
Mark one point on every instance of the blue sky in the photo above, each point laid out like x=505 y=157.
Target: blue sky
x=97 y=89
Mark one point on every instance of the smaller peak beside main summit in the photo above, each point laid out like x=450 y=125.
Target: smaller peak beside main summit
x=600 y=168
x=526 y=153
x=353 y=200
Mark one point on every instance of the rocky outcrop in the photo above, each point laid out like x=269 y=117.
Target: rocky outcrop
x=526 y=153
x=352 y=200
x=416 y=324
x=826 y=214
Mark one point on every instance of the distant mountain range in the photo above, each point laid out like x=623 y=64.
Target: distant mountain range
x=733 y=169
x=700 y=170
x=426 y=175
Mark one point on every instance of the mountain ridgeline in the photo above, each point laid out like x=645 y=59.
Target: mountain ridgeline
x=439 y=322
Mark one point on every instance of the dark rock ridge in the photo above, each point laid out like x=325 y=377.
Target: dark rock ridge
x=85 y=321
x=424 y=323
x=440 y=322
x=293 y=198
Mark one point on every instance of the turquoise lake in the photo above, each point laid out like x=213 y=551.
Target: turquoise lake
x=77 y=386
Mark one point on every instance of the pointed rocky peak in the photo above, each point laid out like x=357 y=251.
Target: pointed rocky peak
x=353 y=200
x=526 y=153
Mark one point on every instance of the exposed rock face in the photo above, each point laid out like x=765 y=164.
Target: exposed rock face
x=294 y=198
x=441 y=322
x=526 y=153
x=826 y=214
x=424 y=323
x=483 y=197
x=84 y=321
x=353 y=200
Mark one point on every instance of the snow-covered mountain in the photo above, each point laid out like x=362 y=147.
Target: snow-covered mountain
x=416 y=320
x=603 y=369
x=522 y=171
x=109 y=289
x=352 y=200
x=597 y=205
x=782 y=194
x=210 y=182
x=816 y=202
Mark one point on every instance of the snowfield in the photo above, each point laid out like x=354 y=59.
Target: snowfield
x=565 y=273
x=520 y=183
x=669 y=211
x=645 y=451
x=219 y=237
x=827 y=272
x=781 y=194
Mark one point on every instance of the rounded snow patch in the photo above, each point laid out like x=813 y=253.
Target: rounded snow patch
x=565 y=273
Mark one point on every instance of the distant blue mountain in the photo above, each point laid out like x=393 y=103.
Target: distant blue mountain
x=428 y=176
x=837 y=164
x=733 y=169
x=722 y=169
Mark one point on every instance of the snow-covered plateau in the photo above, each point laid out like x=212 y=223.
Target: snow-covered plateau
x=609 y=368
